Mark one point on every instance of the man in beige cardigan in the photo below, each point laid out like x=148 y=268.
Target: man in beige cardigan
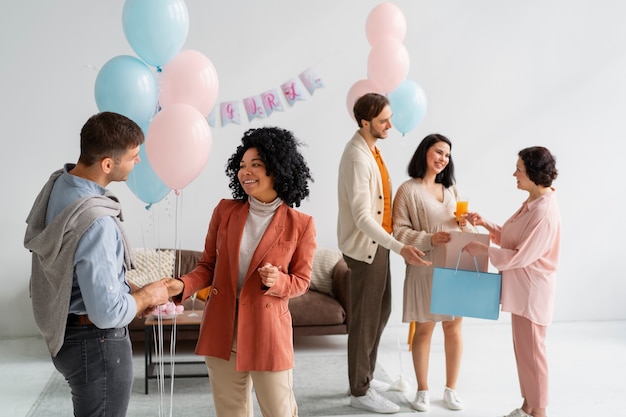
x=364 y=237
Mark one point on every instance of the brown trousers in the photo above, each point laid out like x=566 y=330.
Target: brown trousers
x=370 y=296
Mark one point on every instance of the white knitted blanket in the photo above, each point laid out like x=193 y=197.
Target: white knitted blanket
x=152 y=265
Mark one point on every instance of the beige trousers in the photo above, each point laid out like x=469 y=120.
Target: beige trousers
x=232 y=390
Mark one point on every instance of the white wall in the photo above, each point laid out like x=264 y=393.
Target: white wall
x=499 y=76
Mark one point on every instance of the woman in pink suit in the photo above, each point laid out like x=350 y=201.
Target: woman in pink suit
x=257 y=255
x=528 y=257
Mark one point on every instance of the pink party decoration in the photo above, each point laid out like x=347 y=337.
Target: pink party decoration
x=357 y=90
x=311 y=80
x=292 y=90
x=254 y=107
x=388 y=64
x=189 y=78
x=178 y=144
x=229 y=111
x=271 y=102
x=385 y=21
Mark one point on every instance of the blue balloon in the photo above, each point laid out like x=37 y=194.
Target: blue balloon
x=408 y=104
x=155 y=29
x=127 y=86
x=145 y=183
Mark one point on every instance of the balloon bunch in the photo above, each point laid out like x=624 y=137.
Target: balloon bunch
x=387 y=68
x=170 y=101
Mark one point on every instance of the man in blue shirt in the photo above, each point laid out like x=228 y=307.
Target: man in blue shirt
x=81 y=300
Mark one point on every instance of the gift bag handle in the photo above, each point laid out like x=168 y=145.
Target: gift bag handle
x=458 y=261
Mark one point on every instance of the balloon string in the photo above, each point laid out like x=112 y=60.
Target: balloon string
x=178 y=252
x=159 y=347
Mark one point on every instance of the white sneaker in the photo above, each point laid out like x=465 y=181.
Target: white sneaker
x=373 y=401
x=421 y=401
x=518 y=412
x=452 y=400
x=379 y=385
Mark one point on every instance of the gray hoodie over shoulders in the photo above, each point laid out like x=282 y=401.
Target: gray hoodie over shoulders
x=53 y=247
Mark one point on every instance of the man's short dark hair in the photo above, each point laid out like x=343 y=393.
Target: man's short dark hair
x=108 y=135
x=369 y=106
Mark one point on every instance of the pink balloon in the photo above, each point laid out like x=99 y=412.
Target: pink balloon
x=385 y=21
x=388 y=64
x=189 y=78
x=357 y=90
x=178 y=144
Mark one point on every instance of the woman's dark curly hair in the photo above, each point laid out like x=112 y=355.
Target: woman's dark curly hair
x=540 y=165
x=278 y=148
x=417 y=166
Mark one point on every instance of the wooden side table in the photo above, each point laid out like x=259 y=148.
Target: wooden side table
x=187 y=320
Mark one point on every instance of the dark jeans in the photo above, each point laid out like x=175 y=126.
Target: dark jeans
x=97 y=364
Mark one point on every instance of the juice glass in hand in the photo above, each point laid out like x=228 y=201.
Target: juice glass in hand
x=461 y=207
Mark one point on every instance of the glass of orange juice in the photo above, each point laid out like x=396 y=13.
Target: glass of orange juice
x=461 y=207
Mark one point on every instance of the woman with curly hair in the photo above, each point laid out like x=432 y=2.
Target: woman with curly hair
x=257 y=255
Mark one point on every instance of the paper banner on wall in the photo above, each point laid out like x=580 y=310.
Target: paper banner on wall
x=271 y=101
x=211 y=117
x=311 y=80
x=230 y=112
x=292 y=90
x=254 y=107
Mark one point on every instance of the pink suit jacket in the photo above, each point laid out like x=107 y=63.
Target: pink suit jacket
x=264 y=328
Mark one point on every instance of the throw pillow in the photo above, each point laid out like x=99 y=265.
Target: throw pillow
x=324 y=261
x=152 y=265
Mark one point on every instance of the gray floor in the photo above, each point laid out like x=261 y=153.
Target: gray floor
x=587 y=365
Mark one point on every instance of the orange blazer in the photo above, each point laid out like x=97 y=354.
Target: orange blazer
x=264 y=329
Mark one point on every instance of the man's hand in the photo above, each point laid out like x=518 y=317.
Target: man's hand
x=412 y=256
x=150 y=295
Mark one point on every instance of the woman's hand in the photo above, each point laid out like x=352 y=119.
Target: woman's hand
x=440 y=238
x=174 y=286
x=476 y=248
x=269 y=274
x=474 y=218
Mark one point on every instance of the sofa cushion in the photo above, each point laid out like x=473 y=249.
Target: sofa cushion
x=316 y=309
x=324 y=261
x=152 y=265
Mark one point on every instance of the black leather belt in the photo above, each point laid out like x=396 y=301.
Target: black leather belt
x=79 y=320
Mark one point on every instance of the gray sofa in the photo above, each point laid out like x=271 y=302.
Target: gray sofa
x=320 y=311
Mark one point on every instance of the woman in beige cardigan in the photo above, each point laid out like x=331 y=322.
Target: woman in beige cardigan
x=423 y=214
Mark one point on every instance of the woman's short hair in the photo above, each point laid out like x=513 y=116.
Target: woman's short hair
x=108 y=135
x=368 y=107
x=418 y=166
x=540 y=165
x=278 y=149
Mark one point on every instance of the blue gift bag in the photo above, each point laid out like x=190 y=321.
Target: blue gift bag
x=458 y=292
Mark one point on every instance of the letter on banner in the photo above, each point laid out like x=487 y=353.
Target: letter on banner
x=271 y=101
x=230 y=112
x=292 y=90
x=311 y=80
x=254 y=107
